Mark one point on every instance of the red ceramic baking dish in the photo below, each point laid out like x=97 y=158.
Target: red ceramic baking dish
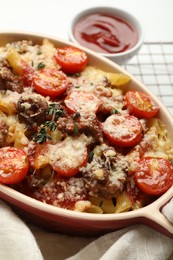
x=77 y=223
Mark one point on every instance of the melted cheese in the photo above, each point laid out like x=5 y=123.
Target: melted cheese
x=69 y=153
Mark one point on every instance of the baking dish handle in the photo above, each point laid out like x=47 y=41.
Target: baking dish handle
x=158 y=220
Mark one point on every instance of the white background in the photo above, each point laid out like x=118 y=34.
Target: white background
x=52 y=17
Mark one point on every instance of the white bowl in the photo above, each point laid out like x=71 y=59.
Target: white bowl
x=121 y=57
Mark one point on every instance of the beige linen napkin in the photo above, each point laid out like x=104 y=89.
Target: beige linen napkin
x=18 y=242
x=137 y=242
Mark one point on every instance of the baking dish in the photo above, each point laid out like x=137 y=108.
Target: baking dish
x=87 y=224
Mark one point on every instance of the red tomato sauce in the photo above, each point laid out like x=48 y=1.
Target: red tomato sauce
x=105 y=33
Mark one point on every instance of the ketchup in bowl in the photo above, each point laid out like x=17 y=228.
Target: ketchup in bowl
x=105 y=33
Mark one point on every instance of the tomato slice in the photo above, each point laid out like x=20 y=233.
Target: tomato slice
x=140 y=104
x=14 y=165
x=154 y=176
x=65 y=157
x=50 y=82
x=82 y=102
x=71 y=59
x=122 y=130
x=68 y=156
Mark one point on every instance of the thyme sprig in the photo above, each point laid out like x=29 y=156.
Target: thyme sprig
x=48 y=126
x=42 y=136
x=55 y=111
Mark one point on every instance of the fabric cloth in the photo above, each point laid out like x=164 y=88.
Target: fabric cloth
x=20 y=241
x=133 y=243
x=16 y=240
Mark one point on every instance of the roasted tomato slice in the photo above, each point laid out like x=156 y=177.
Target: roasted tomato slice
x=71 y=59
x=14 y=165
x=122 y=130
x=69 y=156
x=154 y=176
x=140 y=104
x=50 y=82
x=65 y=157
x=82 y=102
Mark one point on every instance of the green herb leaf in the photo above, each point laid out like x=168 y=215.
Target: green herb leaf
x=59 y=112
x=51 y=108
x=115 y=111
x=55 y=110
x=41 y=65
x=42 y=136
x=75 y=129
x=50 y=124
x=39 y=53
x=90 y=156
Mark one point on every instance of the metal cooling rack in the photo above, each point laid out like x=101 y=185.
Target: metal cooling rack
x=154 y=67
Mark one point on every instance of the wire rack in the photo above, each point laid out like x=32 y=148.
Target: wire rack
x=154 y=67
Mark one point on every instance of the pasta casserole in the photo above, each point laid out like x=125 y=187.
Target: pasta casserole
x=72 y=137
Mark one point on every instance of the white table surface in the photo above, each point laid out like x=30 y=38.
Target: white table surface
x=53 y=16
